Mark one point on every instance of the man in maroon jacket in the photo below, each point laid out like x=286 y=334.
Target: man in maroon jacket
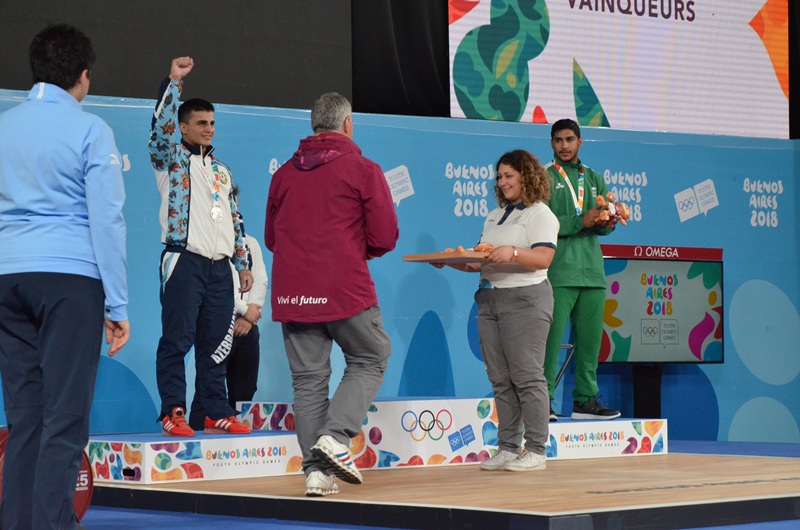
x=329 y=211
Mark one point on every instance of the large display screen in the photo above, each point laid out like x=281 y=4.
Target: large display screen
x=692 y=66
x=663 y=305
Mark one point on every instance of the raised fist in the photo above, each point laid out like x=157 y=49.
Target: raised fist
x=180 y=68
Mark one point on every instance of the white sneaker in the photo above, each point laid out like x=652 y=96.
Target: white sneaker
x=338 y=456
x=318 y=484
x=526 y=462
x=498 y=461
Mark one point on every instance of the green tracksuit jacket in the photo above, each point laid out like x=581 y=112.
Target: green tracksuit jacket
x=578 y=261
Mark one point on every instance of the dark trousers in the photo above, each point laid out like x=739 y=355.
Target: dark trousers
x=196 y=310
x=51 y=326
x=241 y=376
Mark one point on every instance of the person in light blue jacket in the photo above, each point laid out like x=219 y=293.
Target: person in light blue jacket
x=63 y=262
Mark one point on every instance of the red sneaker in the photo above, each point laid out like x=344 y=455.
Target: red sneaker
x=175 y=424
x=229 y=425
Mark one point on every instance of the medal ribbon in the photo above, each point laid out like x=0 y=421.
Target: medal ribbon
x=213 y=185
x=577 y=199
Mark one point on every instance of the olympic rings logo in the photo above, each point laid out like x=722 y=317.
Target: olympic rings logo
x=429 y=424
x=686 y=204
x=650 y=331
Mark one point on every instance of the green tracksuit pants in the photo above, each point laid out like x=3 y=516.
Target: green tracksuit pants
x=584 y=307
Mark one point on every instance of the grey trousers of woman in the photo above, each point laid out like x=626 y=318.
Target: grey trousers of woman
x=513 y=324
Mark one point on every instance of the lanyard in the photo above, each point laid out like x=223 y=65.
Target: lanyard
x=213 y=184
x=216 y=209
x=577 y=199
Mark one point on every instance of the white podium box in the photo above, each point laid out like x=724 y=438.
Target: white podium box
x=454 y=431
x=153 y=458
x=395 y=433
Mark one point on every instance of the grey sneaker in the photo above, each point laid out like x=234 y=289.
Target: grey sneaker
x=526 y=462
x=338 y=456
x=318 y=484
x=498 y=461
x=553 y=415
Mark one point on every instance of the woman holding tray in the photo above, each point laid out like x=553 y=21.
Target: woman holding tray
x=515 y=309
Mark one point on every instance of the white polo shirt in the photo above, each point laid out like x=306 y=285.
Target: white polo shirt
x=521 y=227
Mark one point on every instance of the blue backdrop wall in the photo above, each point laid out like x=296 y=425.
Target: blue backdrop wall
x=737 y=194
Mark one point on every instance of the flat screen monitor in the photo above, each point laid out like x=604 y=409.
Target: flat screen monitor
x=663 y=305
x=717 y=67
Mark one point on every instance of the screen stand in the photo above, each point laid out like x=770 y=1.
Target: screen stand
x=647 y=390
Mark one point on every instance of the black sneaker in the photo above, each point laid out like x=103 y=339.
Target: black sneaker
x=553 y=415
x=592 y=410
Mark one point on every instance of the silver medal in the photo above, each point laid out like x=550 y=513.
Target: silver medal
x=216 y=213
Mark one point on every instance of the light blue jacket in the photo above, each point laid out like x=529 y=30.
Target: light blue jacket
x=61 y=194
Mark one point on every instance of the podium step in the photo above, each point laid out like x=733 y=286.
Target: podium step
x=395 y=433
x=153 y=458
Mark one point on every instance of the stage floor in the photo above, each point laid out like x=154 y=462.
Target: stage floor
x=674 y=490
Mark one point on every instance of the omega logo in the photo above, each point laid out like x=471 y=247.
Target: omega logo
x=655 y=252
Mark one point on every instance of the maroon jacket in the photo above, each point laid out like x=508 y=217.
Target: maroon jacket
x=329 y=208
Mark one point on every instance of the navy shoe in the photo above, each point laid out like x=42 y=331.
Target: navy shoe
x=592 y=410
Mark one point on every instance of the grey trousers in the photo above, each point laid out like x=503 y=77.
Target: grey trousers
x=513 y=325
x=366 y=347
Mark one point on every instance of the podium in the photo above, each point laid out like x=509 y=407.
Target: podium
x=395 y=434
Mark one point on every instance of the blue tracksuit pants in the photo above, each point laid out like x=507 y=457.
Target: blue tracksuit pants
x=196 y=310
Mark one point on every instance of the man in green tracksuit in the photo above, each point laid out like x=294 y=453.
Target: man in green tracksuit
x=576 y=273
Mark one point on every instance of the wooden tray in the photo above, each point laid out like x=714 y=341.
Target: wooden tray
x=463 y=256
